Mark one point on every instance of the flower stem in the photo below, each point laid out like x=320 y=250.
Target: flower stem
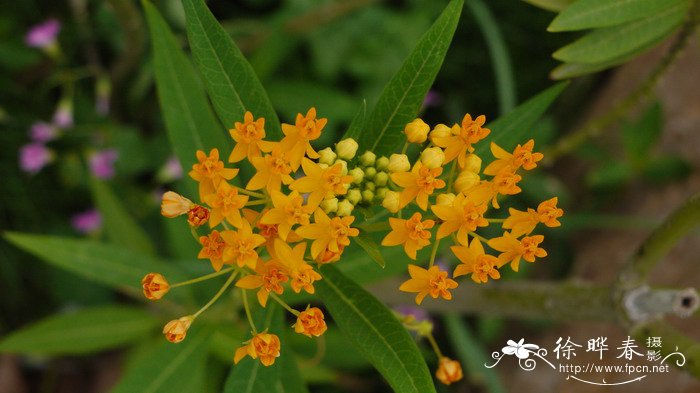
x=496 y=220
x=481 y=238
x=284 y=304
x=202 y=278
x=450 y=179
x=258 y=202
x=250 y=193
x=433 y=344
x=218 y=294
x=246 y=306
x=194 y=233
x=433 y=252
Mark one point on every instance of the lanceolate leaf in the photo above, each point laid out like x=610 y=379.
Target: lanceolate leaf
x=355 y=129
x=403 y=95
x=550 y=5
x=231 y=82
x=587 y=14
x=374 y=330
x=371 y=248
x=85 y=331
x=188 y=117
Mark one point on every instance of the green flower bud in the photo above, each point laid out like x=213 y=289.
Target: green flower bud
x=344 y=165
x=368 y=158
x=346 y=148
x=327 y=156
x=391 y=201
x=399 y=163
x=345 y=208
x=367 y=196
x=323 y=166
x=382 y=163
x=370 y=186
x=354 y=196
x=432 y=157
x=357 y=175
x=381 y=179
x=445 y=199
x=380 y=193
x=329 y=205
x=370 y=173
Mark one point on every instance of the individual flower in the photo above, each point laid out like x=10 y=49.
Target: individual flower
x=269 y=277
x=87 y=222
x=43 y=35
x=265 y=346
x=289 y=210
x=270 y=171
x=463 y=216
x=448 y=371
x=523 y=222
x=412 y=233
x=225 y=203
x=474 y=261
x=269 y=231
x=310 y=322
x=418 y=184
x=210 y=172
x=459 y=144
x=321 y=183
x=512 y=249
x=155 y=286
x=249 y=137
x=504 y=183
x=522 y=156
x=297 y=138
x=432 y=281
x=548 y=212
x=328 y=233
x=173 y=204
x=240 y=246
x=176 y=330
x=34 y=157
x=328 y=255
x=197 y=216
x=213 y=249
x=41 y=132
x=416 y=131
x=102 y=163
x=302 y=275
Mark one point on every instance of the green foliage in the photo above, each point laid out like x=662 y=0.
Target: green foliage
x=551 y=5
x=371 y=248
x=639 y=137
x=374 y=330
x=84 y=331
x=589 y=14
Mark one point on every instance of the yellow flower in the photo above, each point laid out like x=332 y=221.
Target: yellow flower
x=522 y=156
x=288 y=211
x=416 y=131
x=310 y=322
x=328 y=233
x=268 y=231
x=225 y=203
x=465 y=181
x=523 y=222
x=432 y=157
x=432 y=281
x=268 y=276
x=505 y=183
x=176 y=330
x=213 y=249
x=512 y=249
x=249 y=137
x=328 y=256
x=440 y=131
x=398 y=163
x=241 y=245
x=420 y=183
x=300 y=272
x=174 y=204
x=475 y=262
x=210 y=172
x=321 y=183
x=265 y=346
x=297 y=137
x=457 y=146
x=270 y=171
x=463 y=216
x=548 y=212
x=155 y=286
x=412 y=233
x=448 y=371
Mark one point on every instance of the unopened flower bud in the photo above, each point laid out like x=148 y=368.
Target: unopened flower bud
x=440 y=131
x=354 y=196
x=345 y=208
x=176 y=330
x=174 y=204
x=399 y=163
x=343 y=165
x=382 y=163
x=456 y=129
x=198 y=215
x=381 y=178
x=416 y=131
x=466 y=180
x=368 y=158
x=380 y=193
x=155 y=286
x=346 y=149
x=370 y=173
x=327 y=156
x=357 y=175
x=367 y=196
x=323 y=166
x=391 y=201
x=310 y=322
x=370 y=186
x=433 y=157
x=445 y=199
x=448 y=371
x=472 y=163
x=329 y=205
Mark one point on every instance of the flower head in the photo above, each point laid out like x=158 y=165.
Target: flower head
x=460 y=143
x=328 y=233
x=264 y=346
x=41 y=132
x=412 y=233
x=418 y=184
x=301 y=273
x=241 y=245
x=225 y=203
x=102 y=163
x=43 y=35
x=474 y=261
x=34 y=157
x=548 y=212
x=523 y=222
x=512 y=249
x=210 y=172
x=176 y=330
x=310 y=322
x=432 y=281
x=269 y=277
x=463 y=216
x=270 y=171
x=249 y=137
x=87 y=222
x=155 y=286
x=522 y=156
x=289 y=210
x=297 y=138
x=448 y=371
x=321 y=183
x=213 y=249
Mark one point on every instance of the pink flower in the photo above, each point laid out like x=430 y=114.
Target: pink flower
x=433 y=98
x=43 y=35
x=87 y=222
x=170 y=171
x=63 y=117
x=33 y=157
x=102 y=163
x=42 y=132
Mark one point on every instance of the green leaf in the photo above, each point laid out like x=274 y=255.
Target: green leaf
x=355 y=128
x=188 y=118
x=121 y=228
x=551 y=5
x=371 y=247
x=403 y=95
x=85 y=331
x=169 y=368
x=230 y=80
x=638 y=137
x=372 y=328
x=611 y=175
x=611 y=43
x=665 y=169
x=588 y=14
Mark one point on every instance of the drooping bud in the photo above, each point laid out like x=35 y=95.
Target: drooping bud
x=174 y=204
x=345 y=208
x=440 y=131
x=381 y=178
x=445 y=199
x=391 y=201
x=155 y=286
x=399 y=163
x=329 y=205
x=327 y=156
x=433 y=157
x=346 y=149
x=449 y=371
x=382 y=163
x=357 y=175
x=176 y=330
x=354 y=196
x=310 y=322
x=466 y=180
x=416 y=131
x=368 y=158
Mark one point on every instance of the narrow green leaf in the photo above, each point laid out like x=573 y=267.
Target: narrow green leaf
x=188 y=118
x=372 y=328
x=355 y=128
x=550 y=5
x=230 y=80
x=404 y=94
x=639 y=136
x=588 y=14
x=169 y=368
x=85 y=331
x=610 y=43
x=121 y=228
x=371 y=247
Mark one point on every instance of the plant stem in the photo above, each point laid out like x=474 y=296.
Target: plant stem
x=246 y=306
x=251 y=193
x=202 y=278
x=433 y=252
x=433 y=344
x=284 y=304
x=218 y=294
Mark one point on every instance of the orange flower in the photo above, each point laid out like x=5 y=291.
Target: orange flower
x=432 y=281
x=321 y=183
x=457 y=146
x=270 y=171
x=505 y=183
x=198 y=216
x=420 y=183
x=174 y=204
x=269 y=278
x=328 y=256
x=241 y=245
x=513 y=249
x=176 y=330
x=463 y=216
x=412 y=233
x=297 y=137
x=289 y=210
x=268 y=231
x=448 y=371
x=328 y=233
x=265 y=346
x=301 y=273
x=210 y=171
x=213 y=249
x=310 y=322
x=522 y=156
x=225 y=203
x=524 y=222
x=155 y=286
x=548 y=212
x=475 y=262
x=249 y=137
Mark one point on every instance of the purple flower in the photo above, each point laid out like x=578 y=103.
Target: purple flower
x=102 y=163
x=433 y=98
x=63 y=117
x=33 y=157
x=43 y=35
x=87 y=222
x=171 y=170
x=418 y=313
x=42 y=132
